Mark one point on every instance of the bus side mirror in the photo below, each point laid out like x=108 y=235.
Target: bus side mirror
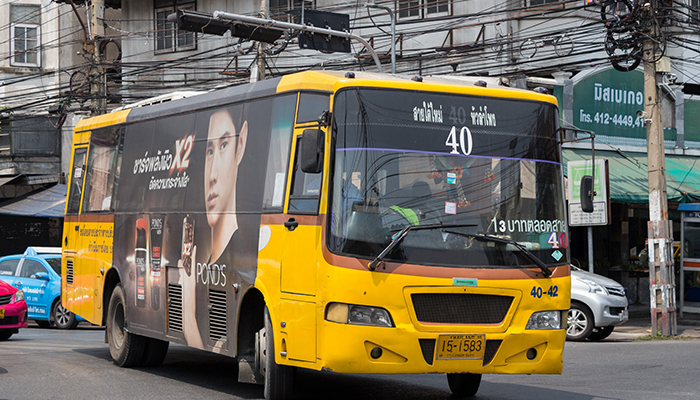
x=312 y=151
x=587 y=194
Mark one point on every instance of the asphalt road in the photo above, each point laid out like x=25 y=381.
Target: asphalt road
x=52 y=364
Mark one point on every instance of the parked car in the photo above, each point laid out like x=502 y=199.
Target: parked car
x=597 y=305
x=38 y=273
x=13 y=311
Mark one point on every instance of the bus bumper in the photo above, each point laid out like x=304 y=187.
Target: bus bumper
x=351 y=349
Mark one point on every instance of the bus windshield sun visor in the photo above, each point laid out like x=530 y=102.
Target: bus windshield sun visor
x=488 y=238
x=398 y=237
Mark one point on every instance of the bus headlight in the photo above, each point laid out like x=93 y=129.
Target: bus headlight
x=545 y=320
x=358 y=315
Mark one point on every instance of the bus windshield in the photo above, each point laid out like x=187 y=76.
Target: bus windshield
x=485 y=168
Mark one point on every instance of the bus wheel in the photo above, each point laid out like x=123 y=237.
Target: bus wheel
x=464 y=385
x=154 y=352
x=125 y=348
x=62 y=318
x=278 y=378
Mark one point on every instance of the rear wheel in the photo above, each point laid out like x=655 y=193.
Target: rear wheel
x=154 y=352
x=62 y=318
x=464 y=385
x=5 y=334
x=278 y=378
x=125 y=347
x=579 y=324
x=601 y=333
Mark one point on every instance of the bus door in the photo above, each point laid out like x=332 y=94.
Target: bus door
x=96 y=218
x=302 y=242
x=71 y=227
x=302 y=245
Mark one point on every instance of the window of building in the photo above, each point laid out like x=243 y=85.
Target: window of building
x=25 y=31
x=423 y=8
x=279 y=9
x=694 y=12
x=168 y=38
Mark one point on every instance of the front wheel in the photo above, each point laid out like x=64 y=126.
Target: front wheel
x=464 y=385
x=278 y=378
x=579 y=324
x=125 y=347
x=62 y=318
x=5 y=334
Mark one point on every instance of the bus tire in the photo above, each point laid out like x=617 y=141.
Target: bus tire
x=278 y=378
x=154 y=352
x=464 y=385
x=125 y=347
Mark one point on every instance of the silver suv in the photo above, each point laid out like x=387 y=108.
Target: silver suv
x=597 y=305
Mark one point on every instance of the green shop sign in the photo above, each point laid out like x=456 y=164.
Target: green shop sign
x=607 y=103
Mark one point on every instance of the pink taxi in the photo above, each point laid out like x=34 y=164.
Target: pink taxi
x=13 y=310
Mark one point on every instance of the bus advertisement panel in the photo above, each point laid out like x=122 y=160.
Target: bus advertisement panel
x=187 y=216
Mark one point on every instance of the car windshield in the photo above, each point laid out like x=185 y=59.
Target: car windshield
x=481 y=166
x=55 y=263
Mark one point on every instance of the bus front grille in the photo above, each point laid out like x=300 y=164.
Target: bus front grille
x=174 y=308
x=460 y=308
x=217 y=315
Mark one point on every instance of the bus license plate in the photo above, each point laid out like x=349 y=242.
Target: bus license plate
x=464 y=347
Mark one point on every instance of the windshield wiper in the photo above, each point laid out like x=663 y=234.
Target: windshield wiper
x=545 y=270
x=398 y=237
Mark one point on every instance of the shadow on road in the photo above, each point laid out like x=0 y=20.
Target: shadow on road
x=219 y=373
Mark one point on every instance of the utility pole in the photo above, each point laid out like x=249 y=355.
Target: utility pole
x=260 y=60
x=98 y=81
x=660 y=234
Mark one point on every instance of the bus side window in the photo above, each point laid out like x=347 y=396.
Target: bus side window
x=311 y=106
x=76 y=181
x=305 y=193
x=101 y=170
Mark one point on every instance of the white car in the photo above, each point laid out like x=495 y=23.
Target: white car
x=597 y=305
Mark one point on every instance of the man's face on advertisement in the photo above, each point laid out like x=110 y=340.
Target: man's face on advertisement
x=225 y=146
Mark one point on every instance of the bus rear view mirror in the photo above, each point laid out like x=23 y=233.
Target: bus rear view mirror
x=312 y=151
x=586 y=193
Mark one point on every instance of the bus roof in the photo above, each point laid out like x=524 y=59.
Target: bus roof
x=322 y=81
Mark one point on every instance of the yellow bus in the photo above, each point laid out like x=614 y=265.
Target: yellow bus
x=334 y=221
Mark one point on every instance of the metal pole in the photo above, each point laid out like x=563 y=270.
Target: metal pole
x=261 y=54
x=271 y=23
x=662 y=304
x=392 y=14
x=98 y=82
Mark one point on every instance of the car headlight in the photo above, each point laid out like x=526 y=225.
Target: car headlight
x=594 y=287
x=19 y=296
x=545 y=320
x=358 y=315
